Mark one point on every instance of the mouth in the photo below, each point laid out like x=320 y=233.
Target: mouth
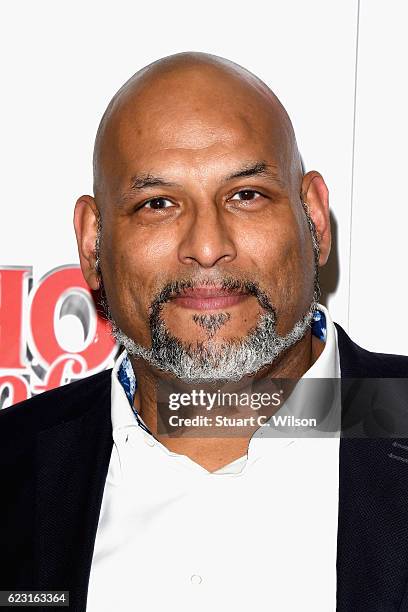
x=209 y=298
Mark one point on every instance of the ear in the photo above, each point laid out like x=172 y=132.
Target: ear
x=316 y=195
x=86 y=222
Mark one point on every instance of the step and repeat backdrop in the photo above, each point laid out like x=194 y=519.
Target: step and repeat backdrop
x=339 y=69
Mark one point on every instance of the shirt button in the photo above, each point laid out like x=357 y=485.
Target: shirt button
x=196 y=579
x=150 y=441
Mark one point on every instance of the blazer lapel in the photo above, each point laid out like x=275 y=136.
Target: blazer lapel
x=72 y=463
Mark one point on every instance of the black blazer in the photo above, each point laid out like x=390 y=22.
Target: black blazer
x=54 y=456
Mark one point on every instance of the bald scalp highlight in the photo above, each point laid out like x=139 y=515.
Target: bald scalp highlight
x=193 y=65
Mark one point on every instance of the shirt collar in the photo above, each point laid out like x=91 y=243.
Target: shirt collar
x=327 y=365
x=124 y=385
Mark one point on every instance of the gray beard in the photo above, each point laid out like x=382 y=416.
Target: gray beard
x=225 y=362
x=211 y=362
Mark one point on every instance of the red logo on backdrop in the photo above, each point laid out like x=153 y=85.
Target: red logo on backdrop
x=38 y=351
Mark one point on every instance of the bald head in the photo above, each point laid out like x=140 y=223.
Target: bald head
x=189 y=100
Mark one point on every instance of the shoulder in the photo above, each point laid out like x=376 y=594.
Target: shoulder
x=56 y=406
x=356 y=361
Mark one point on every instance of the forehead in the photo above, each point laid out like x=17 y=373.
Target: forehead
x=201 y=131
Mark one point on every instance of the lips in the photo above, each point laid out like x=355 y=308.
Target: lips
x=209 y=298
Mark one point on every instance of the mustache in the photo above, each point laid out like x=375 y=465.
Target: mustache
x=175 y=288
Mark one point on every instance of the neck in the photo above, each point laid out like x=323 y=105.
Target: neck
x=213 y=453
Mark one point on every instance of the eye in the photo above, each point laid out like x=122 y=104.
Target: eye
x=246 y=195
x=157 y=204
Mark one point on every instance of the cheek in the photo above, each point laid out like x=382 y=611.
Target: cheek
x=275 y=246
x=127 y=267
x=281 y=253
x=136 y=263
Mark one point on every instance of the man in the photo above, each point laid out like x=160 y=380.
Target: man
x=205 y=237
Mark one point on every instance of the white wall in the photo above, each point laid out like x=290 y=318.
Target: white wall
x=62 y=62
x=379 y=245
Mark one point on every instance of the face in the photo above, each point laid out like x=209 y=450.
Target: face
x=204 y=245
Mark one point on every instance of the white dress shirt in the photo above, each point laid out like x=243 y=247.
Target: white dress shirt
x=259 y=534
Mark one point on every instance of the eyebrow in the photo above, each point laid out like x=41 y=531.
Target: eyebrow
x=144 y=181
x=259 y=168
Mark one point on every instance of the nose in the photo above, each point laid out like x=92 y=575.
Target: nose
x=207 y=239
